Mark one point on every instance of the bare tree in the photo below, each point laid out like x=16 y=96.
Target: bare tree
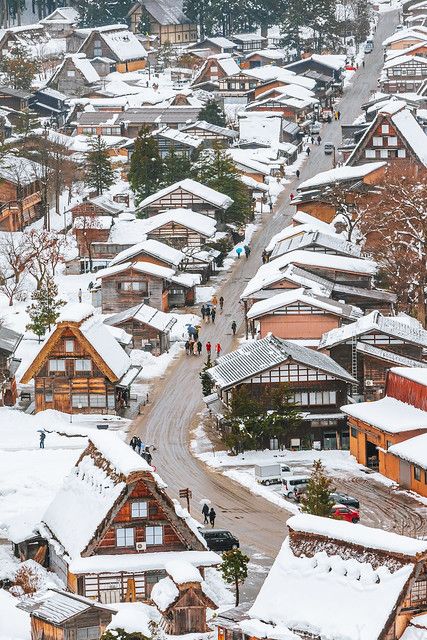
x=44 y=251
x=395 y=232
x=85 y=229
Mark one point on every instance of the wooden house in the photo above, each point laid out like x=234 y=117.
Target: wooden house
x=117 y=43
x=20 y=192
x=15 y=99
x=33 y=37
x=297 y=314
x=49 y=103
x=150 y=328
x=80 y=367
x=404 y=39
x=213 y=46
x=99 y=123
x=397 y=417
x=66 y=616
x=376 y=580
x=181 y=228
x=76 y=76
x=402 y=336
x=173 y=116
x=211 y=133
x=9 y=342
x=151 y=251
x=318 y=385
x=129 y=528
x=326 y=70
x=215 y=68
x=315 y=240
x=187 y=194
x=403 y=74
x=183 y=144
x=395 y=136
x=246 y=42
x=61 y=22
x=130 y=283
x=97 y=206
x=261 y=57
x=167 y=22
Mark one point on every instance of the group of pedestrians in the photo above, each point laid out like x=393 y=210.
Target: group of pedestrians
x=193 y=348
x=208 y=514
x=139 y=447
x=245 y=249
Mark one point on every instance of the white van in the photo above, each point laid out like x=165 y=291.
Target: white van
x=293 y=483
x=369 y=46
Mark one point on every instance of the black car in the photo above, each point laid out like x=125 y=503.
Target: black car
x=343 y=498
x=219 y=539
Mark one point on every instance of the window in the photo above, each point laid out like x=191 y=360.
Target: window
x=139 y=509
x=56 y=365
x=83 y=364
x=385 y=128
x=392 y=141
x=383 y=153
x=88 y=633
x=377 y=141
x=417 y=473
x=133 y=286
x=154 y=535
x=71 y=73
x=425 y=477
x=125 y=537
x=48 y=396
x=388 y=444
x=353 y=432
x=69 y=346
x=96 y=400
x=79 y=401
x=401 y=153
x=370 y=153
x=111 y=402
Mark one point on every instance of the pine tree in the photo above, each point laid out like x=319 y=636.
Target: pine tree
x=26 y=122
x=175 y=168
x=234 y=569
x=100 y=174
x=212 y=113
x=18 y=68
x=283 y=421
x=207 y=382
x=44 y=310
x=317 y=498
x=146 y=166
x=216 y=169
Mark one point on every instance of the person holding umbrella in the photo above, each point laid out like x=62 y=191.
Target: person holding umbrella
x=239 y=251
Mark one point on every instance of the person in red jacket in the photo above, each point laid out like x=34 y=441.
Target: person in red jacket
x=208 y=348
x=218 y=349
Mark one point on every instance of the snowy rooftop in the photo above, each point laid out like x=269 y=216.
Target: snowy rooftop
x=19 y=170
x=388 y=414
x=97 y=334
x=151 y=247
x=202 y=191
x=397 y=327
x=404 y=34
x=340 y=174
x=257 y=356
x=416 y=374
x=182 y=571
x=312 y=239
x=412 y=132
x=413 y=450
x=75 y=312
x=280 y=300
x=142 y=267
x=198 y=222
x=178 y=136
x=144 y=313
x=142 y=561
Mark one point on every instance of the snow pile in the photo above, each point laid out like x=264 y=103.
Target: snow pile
x=181 y=571
x=14 y=623
x=388 y=414
x=120 y=455
x=76 y=312
x=135 y=617
x=164 y=593
x=87 y=490
x=416 y=374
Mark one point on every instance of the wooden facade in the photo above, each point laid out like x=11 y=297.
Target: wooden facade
x=96 y=45
x=20 y=204
x=178 y=236
x=144 y=335
x=9 y=342
x=181 y=198
x=169 y=27
x=131 y=287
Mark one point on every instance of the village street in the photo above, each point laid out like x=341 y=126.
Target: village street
x=167 y=424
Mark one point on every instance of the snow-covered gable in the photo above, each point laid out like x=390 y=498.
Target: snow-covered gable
x=267 y=73
x=294 y=296
x=85 y=67
x=404 y=34
x=198 y=222
x=182 y=571
x=341 y=174
x=145 y=314
x=66 y=15
x=216 y=198
x=97 y=334
x=335 y=62
x=262 y=128
x=141 y=267
x=327 y=561
x=412 y=133
x=176 y=135
x=151 y=247
x=123 y=44
x=388 y=414
x=375 y=321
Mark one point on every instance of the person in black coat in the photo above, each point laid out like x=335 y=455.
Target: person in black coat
x=205 y=513
x=212 y=516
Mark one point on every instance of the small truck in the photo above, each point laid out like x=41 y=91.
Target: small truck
x=271 y=473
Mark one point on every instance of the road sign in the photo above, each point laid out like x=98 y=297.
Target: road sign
x=186 y=493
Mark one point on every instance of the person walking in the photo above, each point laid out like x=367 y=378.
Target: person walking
x=207 y=315
x=363 y=63
x=213 y=315
x=339 y=115
x=247 y=251
x=187 y=347
x=138 y=445
x=218 y=349
x=208 y=348
x=319 y=140
x=312 y=139
x=133 y=442
x=212 y=516
x=234 y=327
x=195 y=349
x=239 y=251
x=42 y=439
x=221 y=303
x=199 y=347
x=297 y=173
x=307 y=151
x=291 y=196
x=214 y=300
x=203 y=311
x=80 y=295
x=264 y=256
x=205 y=513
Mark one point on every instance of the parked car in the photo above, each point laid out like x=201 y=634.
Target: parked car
x=328 y=148
x=341 y=512
x=293 y=485
x=271 y=473
x=315 y=127
x=369 y=46
x=343 y=498
x=219 y=539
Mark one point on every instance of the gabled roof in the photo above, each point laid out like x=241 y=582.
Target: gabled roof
x=403 y=35
x=177 y=135
x=165 y=12
x=18 y=170
x=142 y=267
x=82 y=64
x=57 y=606
x=341 y=174
x=60 y=15
x=123 y=44
x=205 y=225
x=9 y=340
x=208 y=126
x=364 y=571
x=388 y=356
x=388 y=414
x=150 y=247
x=146 y=315
x=396 y=327
x=257 y=356
x=191 y=186
x=305 y=297
x=89 y=330
x=308 y=239
x=95 y=490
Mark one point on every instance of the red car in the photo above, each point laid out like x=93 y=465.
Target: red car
x=341 y=512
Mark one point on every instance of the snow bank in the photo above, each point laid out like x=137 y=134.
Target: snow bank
x=164 y=593
x=14 y=623
x=181 y=571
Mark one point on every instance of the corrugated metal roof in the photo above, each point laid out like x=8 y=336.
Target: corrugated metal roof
x=9 y=340
x=253 y=358
x=58 y=606
x=388 y=356
x=166 y=12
